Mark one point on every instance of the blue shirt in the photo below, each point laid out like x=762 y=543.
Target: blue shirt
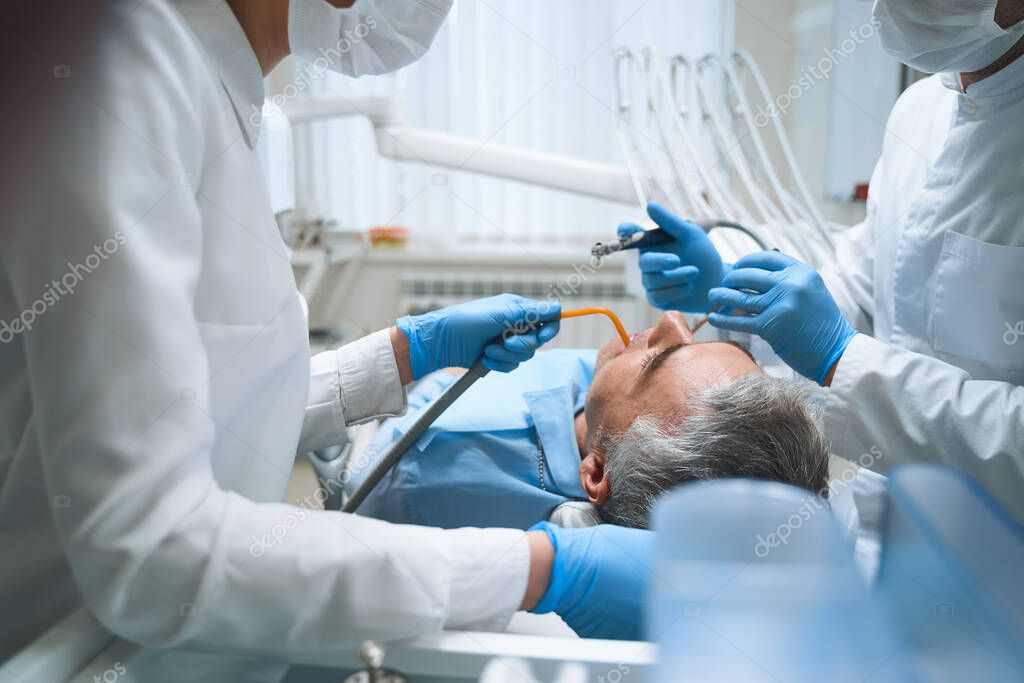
x=478 y=464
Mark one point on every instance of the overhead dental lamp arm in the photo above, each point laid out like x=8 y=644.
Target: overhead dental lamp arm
x=395 y=140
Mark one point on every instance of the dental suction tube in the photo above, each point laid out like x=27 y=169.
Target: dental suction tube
x=418 y=428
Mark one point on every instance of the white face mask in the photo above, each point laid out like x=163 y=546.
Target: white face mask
x=371 y=37
x=934 y=36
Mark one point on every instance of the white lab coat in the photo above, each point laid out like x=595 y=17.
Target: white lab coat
x=149 y=420
x=934 y=275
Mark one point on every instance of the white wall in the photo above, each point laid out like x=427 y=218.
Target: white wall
x=863 y=88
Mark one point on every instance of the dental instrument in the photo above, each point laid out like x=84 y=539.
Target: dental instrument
x=704 y=321
x=656 y=236
x=442 y=403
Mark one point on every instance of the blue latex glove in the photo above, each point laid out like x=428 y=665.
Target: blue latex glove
x=599 y=579
x=503 y=328
x=678 y=276
x=786 y=303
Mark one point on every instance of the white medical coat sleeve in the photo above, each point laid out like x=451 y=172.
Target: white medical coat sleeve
x=160 y=552
x=348 y=386
x=850 y=276
x=912 y=407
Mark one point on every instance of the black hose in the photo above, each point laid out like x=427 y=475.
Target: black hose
x=720 y=223
x=412 y=435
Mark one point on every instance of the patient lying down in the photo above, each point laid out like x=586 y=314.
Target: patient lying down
x=615 y=427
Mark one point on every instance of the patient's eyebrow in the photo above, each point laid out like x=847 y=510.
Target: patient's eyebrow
x=657 y=360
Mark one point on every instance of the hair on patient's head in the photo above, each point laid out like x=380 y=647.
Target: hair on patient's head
x=756 y=427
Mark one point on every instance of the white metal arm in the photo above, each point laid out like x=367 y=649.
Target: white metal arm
x=395 y=140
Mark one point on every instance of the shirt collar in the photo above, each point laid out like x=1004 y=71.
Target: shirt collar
x=222 y=36
x=554 y=413
x=1003 y=82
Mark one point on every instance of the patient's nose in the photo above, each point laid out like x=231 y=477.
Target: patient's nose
x=672 y=328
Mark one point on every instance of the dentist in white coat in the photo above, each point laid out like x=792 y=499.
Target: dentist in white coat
x=918 y=330
x=155 y=378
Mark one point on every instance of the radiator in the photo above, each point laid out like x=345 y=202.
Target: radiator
x=426 y=291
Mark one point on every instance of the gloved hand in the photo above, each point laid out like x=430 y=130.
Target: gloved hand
x=788 y=306
x=502 y=327
x=677 y=276
x=599 y=579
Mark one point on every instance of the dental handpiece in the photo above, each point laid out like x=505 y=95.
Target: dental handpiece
x=646 y=238
x=656 y=236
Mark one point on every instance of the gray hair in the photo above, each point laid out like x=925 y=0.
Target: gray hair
x=756 y=427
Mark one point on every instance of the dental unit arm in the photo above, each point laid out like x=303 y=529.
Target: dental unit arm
x=396 y=139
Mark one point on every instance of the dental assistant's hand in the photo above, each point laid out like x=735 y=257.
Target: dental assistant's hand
x=504 y=328
x=786 y=303
x=599 y=579
x=678 y=276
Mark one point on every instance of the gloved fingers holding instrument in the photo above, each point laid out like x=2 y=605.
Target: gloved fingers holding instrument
x=678 y=275
x=506 y=329
x=786 y=303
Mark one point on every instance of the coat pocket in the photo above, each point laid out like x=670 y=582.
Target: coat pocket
x=978 y=316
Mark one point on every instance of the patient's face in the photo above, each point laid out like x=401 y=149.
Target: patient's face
x=656 y=374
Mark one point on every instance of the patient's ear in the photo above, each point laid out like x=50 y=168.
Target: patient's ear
x=594 y=478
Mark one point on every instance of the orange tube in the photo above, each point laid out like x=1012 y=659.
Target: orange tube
x=703 y=321
x=595 y=310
